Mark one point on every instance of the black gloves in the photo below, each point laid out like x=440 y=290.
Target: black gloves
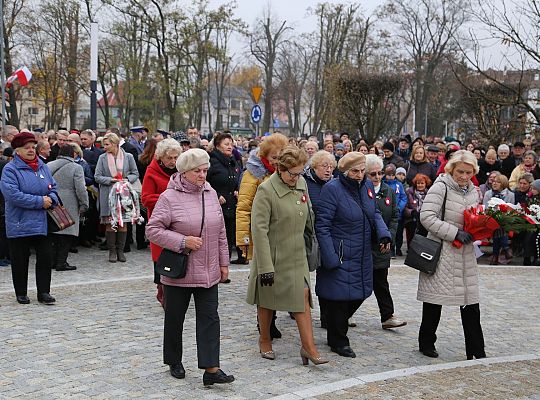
x=267 y=279
x=384 y=241
x=464 y=237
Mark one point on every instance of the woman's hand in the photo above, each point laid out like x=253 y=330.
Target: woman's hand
x=47 y=202
x=193 y=243
x=464 y=237
x=224 y=273
x=236 y=193
x=384 y=245
x=222 y=200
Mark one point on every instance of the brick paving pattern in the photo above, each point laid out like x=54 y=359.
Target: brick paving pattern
x=103 y=340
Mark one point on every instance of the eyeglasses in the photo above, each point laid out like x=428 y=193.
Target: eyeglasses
x=294 y=175
x=326 y=166
x=378 y=173
x=357 y=171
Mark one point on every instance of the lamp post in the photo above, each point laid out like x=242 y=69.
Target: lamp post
x=2 y=71
x=93 y=73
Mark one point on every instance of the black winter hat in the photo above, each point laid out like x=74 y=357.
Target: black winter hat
x=388 y=146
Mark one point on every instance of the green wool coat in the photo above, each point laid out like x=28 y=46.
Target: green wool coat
x=278 y=219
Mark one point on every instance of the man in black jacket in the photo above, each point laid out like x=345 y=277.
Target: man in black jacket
x=90 y=152
x=511 y=162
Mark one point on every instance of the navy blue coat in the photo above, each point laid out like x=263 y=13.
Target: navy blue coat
x=346 y=215
x=91 y=156
x=23 y=191
x=315 y=185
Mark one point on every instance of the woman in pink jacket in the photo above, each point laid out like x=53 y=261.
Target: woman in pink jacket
x=175 y=225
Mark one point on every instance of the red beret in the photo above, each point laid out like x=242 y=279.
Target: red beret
x=22 y=138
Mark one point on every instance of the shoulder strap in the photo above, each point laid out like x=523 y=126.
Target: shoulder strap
x=444 y=202
x=203 y=212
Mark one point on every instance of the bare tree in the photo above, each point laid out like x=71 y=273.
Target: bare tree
x=428 y=29
x=266 y=40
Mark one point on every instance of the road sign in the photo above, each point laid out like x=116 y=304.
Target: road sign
x=256 y=92
x=256 y=114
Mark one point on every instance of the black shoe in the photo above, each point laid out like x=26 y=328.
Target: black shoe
x=240 y=260
x=142 y=246
x=178 y=371
x=344 y=351
x=23 y=300
x=74 y=250
x=66 y=267
x=274 y=331
x=399 y=253
x=46 y=298
x=103 y=246
x=127 y=248
x=430 y=353
x=217 y=377
x=324 y=325
x=86 y=243
x=527 y=261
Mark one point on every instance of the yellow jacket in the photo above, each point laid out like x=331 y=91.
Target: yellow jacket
x=254 y=175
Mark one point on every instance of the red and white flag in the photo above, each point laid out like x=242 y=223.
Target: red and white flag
x=23 y=75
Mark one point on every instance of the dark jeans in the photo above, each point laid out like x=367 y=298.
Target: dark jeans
x=20 y=257
x=206 y=324
x=381 y=288
x=4 y=243
x=337 y=317
x=399 y=235
x=470 y=319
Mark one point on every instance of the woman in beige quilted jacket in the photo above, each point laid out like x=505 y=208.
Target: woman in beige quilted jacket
x=455 y=282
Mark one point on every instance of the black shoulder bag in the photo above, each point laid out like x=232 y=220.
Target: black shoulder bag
x=172 y=264
x=423 y=254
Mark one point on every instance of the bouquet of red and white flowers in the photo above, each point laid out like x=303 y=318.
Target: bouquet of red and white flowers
x=482 y=222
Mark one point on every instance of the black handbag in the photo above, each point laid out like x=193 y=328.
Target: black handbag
x=423 y=254
x=313 y=252
x=172 y=264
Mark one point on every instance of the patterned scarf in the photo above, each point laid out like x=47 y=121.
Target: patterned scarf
x=116 y=166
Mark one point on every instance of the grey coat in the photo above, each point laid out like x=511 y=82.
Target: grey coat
x=103 y=178
x=69 y=177
x=455 y=282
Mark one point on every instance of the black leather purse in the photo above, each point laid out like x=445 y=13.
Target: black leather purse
x=172 y=264
x=423 y=254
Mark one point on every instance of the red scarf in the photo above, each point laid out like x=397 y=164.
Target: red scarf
x=267 y=165
x=34 y=164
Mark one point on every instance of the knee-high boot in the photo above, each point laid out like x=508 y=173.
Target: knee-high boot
x=120 y=243
x=111 y=245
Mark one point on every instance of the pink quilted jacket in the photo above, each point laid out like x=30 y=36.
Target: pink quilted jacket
x=177 y=214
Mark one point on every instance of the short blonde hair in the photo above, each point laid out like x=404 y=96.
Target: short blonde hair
x=502 y=179
x=462 y=156
x=291 y=157
x=165 y=146
x=322 y=156
x=112 y=138
x=275 y=141
x=415 y=149
x=77 y=149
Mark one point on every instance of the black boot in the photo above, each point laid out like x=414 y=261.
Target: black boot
x=62 y=244
x=274 y=331
x=120 y=243
x=111 y=245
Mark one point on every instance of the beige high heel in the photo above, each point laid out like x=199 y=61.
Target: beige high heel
x=315 y=360
x=269 y=355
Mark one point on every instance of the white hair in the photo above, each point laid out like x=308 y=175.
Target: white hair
x=373 y=160
x=503 y=147
x=165 y=146
x=463 y=156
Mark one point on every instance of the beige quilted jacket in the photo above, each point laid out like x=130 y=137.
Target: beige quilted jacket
x=455 y=282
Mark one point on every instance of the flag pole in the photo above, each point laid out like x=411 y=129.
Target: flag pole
x=2 y=71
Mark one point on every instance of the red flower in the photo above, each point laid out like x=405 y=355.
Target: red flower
x=480 y=225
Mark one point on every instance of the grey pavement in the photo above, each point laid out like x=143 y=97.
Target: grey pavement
x=103 y=340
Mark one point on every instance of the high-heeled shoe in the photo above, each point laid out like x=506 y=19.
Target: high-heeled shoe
x=315 y=360
x=269 y=355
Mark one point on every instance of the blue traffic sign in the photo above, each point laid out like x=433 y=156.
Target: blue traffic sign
x=256 y=114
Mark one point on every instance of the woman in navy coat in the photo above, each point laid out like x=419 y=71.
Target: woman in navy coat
x=346 y=217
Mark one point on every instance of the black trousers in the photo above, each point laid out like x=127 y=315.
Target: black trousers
x=381 y=288
x=206 y=324
x=470 y=319
x=61 y=246
x=337 y=317
x=230 y=228
x=20 y=257
x=4 y=243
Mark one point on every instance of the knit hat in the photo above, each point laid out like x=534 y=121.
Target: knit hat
x=191 y=158
x=401 y=170
x=339 y=146
x=21 y=139
x=388 y=146
x=180 y=137
x=536 y=184
x=351 y=160
x=432 y=147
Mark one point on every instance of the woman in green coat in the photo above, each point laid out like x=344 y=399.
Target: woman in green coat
x=279 y=277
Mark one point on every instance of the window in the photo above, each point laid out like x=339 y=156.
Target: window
x=32 y=111
x=235 y=104
x=235 y=119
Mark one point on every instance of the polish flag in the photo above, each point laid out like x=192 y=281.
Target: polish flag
x=23 y=75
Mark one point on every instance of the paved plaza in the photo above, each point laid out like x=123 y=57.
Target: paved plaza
x=103 y=340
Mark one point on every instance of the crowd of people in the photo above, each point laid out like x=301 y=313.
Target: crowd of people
x=231 y=200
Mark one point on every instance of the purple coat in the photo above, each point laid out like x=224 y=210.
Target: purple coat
x=177 y=214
